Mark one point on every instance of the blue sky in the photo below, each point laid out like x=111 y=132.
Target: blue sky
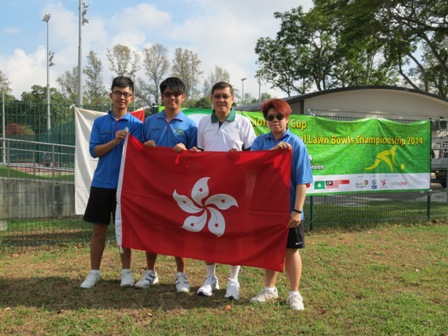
x=222 y=33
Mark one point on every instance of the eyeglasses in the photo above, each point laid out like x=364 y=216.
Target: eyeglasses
x=118 y=94
x=218 y=96
x=171 y=94
x=278 y=116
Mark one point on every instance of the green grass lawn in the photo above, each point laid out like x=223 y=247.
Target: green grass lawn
x=389 y=280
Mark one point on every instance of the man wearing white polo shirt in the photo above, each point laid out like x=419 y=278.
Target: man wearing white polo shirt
x=224 y=131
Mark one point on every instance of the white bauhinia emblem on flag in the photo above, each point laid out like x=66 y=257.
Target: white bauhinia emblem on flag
x=212 y=205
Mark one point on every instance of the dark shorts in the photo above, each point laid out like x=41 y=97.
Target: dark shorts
x=296 y=237
x=101 y=206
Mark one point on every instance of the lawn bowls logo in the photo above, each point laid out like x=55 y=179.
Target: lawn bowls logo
x=203 y=205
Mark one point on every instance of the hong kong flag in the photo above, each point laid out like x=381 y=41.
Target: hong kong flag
x=225 y=207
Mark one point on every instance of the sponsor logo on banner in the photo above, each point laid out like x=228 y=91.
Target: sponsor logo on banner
x=331 y=184
x=399 y=184
x=361 y=185
x=319 y=185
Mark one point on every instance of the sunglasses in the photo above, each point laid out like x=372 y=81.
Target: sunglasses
x=278 y=116
x=172 y=94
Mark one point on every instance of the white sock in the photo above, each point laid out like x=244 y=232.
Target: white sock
x=211 y=270
x=234 y=272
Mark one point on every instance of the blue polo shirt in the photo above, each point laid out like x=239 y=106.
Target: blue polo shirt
x=180 y=129
x=301 y=167
x=103 y=131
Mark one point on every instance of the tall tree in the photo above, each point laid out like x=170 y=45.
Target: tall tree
x=309 y=53
x=186 y=66
x=410 y=32
x=94 y=88
x=156 y=65
x=68 y=83
x=123 y=61
x=36 y=102
x=201 y=103
x=218 y=75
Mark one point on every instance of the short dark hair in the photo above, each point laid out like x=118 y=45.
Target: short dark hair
x=172 y=83
x=122 y=82
x=222 y=85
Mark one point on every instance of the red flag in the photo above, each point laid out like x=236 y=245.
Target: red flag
x=140 y=114
x=224 y=207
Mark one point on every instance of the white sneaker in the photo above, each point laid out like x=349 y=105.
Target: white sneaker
x=295 y=301
x=148 y=278
x=233 y=290
x=182 y=285
x=92 y=278
x=264 y=296
x=127 y=278
x=210 y=284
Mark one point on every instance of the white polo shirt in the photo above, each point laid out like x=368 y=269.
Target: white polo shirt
x=235 y=132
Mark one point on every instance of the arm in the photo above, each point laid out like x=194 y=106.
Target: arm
x=296 y=217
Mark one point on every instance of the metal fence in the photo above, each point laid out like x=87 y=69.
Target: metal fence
x=37 y=190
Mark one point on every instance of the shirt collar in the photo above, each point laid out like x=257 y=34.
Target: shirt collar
x=125 y=117
x=179 y=116
x=230 y=117
x=284 y=135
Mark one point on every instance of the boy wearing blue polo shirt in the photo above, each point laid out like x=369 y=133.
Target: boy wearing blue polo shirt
x=106 y=143
x=169 y=128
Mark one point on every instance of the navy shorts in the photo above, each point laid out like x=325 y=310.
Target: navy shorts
x=296 y=237
x=101 y=206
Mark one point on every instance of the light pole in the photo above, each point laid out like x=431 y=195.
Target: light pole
x=3 y=86
x=45 y=19
x=82 y=21
x=242 y=90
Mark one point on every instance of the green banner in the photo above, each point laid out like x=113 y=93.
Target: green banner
x=361 y=155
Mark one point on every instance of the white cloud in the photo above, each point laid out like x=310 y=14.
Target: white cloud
x=21 y=67
x=222 y=33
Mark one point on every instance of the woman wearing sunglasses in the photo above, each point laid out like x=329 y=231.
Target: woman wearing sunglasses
x=276 y=112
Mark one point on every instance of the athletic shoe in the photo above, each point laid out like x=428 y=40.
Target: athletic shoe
x=127 y=278
x=295 y=301
x=149 y=278
x=210 y=284
x=264 y=296
x=182 y=285
x=233 y=290
x=92 y=278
